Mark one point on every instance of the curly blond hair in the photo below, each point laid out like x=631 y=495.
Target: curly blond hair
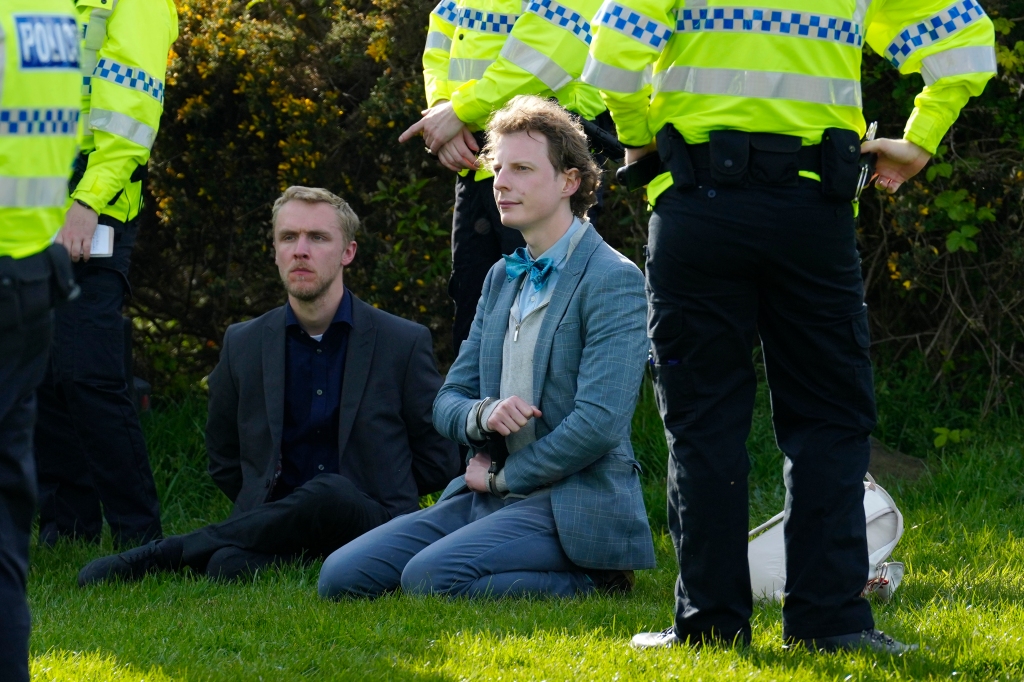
x=568 y=147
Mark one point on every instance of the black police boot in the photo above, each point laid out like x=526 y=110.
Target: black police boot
x=158 y=555
x=871 y=640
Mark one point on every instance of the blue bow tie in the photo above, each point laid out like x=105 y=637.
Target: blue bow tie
x=520 y=261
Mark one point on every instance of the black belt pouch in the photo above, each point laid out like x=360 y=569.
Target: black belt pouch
x=774 y=159
x=24 y=290
x=730 y=156
x=840 y=164
x=674 y=157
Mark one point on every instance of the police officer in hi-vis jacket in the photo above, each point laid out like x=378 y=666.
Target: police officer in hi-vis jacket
x=755 y=113
x=90 y=451
x=39 y=108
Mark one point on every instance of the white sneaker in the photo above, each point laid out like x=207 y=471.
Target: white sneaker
x=653 y=640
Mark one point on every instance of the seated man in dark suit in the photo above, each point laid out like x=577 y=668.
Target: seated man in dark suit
x=319 y=424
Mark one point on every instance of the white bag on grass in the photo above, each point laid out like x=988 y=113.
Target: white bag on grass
x=766 y=553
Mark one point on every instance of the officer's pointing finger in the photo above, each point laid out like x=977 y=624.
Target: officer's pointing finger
x=411 y=131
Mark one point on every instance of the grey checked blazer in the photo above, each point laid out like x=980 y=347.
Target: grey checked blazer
x=588 y=364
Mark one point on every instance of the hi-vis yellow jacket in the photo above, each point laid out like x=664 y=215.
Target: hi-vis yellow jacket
x=124 y=65
x=483 y=54
x=791 y=68
x=39 y=101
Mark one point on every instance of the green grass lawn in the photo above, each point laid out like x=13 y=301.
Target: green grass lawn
x=962 y=599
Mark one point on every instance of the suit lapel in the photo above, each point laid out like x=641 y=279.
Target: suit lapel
x=361 y=339
x=273 y=373
x=492 y=341
x=568 y=280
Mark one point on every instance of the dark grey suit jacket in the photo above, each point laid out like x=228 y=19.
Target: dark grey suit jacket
x=387 y=444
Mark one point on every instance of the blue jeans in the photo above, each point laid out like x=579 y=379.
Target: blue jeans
x=473 y=545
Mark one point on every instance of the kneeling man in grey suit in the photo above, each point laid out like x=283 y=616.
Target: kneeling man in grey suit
x=543 y=391
x=319 y=423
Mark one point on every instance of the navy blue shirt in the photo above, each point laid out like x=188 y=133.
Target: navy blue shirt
x=314 y=372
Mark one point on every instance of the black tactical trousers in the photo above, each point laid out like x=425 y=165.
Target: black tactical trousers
x=25 y=327
x=89 y=444
x=725 y=266
x=312 y=521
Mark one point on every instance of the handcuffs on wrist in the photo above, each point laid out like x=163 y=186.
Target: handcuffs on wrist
x=492 y=479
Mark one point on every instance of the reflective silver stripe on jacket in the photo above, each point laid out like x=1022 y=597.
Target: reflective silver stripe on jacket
x=123 y=126
x=460 y=69
x=612 y=78
x=632 y=24
x=58 y=121
x=486 y=22
x=933 y=29
x=770 y=21
x=958 y=61
x=562 y=17
x=861 y=12
x=94 y=36
x=438 y=40
x=535 y=62
x=759 y=84
x=33 y=192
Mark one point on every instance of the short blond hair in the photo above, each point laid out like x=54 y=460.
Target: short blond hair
x=348 y=221
x=567 y=143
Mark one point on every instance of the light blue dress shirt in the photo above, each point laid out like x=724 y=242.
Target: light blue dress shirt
x=529 y=299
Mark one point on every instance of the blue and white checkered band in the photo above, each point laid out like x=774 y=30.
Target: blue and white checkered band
x=933 y=29
x=486 y=22
x=770 y=21
x=447 y=10
x=635 y=25
x=126 y=76
x=563 y=17
x=38 y=121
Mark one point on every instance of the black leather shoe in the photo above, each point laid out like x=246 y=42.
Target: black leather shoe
x=872 y=640
x=612 y=582
x=158 y=555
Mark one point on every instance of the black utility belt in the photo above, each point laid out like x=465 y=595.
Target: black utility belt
x=734 y=157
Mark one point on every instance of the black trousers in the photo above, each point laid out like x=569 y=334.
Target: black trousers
x=317 y=518
x=89 y=444
x=726 y=265
x=25 y=328
x=478 y=241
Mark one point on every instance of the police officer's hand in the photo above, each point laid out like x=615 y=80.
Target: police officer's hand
x=438 y=125
x=634 y=154
x=511 y=414
x=476 y=473
x=76 y=234
x=460 y=152
x=898 y=161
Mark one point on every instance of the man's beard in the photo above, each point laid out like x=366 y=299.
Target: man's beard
x=306 y=294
